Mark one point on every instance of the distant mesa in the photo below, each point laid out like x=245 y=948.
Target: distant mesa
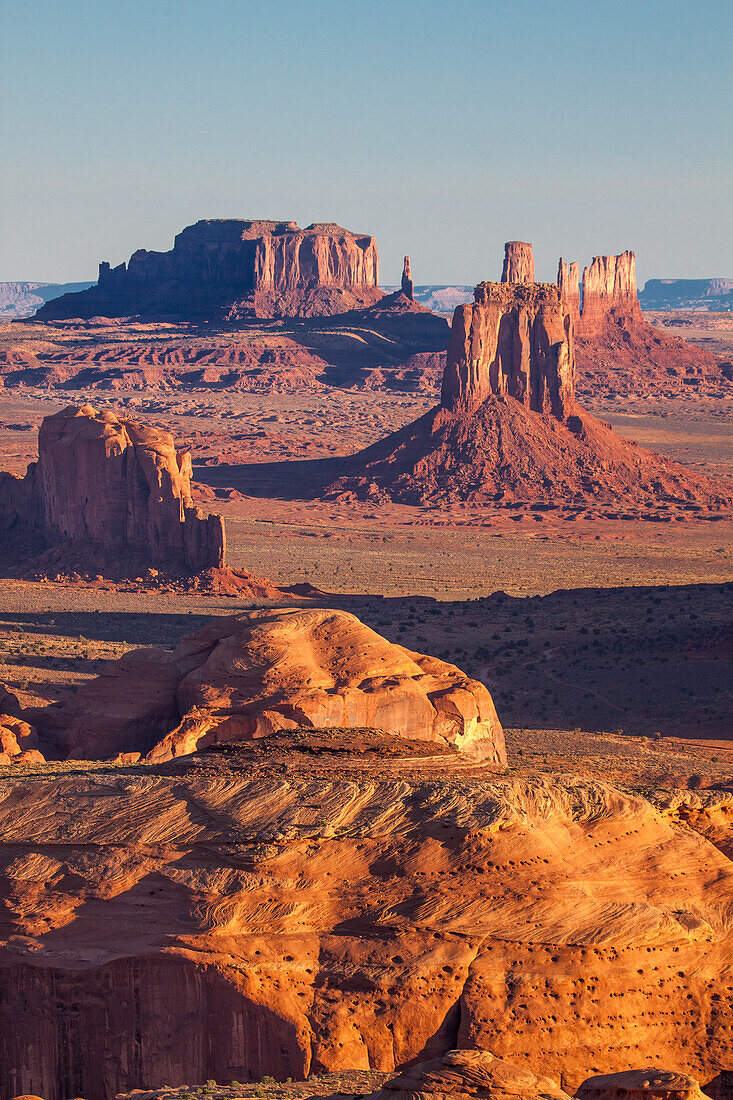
x=22 y=299
x=247 y=676
x=235 y=270
x=407 y=286
x=508 y=428
x=698 y=294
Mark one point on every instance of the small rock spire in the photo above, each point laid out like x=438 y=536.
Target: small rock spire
x=407 y=288
x=518 y=263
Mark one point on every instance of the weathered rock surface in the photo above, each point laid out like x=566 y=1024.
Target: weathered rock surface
x=245 y=676
x=474 y=1073
x=114 y=483
x=295 y=914
x=512 y=341
x=18 y=741
x=640 y=1084
x=518 y=263
x=237 y=269
x=407 y=288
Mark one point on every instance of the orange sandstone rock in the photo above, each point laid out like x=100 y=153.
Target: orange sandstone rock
x=518 y=263
x=469 y=1073
x=640 y=1084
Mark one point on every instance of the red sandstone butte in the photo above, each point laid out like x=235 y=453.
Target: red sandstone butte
x=114 y=483
x=236 y=269
x=518 y=263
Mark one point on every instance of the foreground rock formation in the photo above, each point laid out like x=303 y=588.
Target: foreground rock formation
x=246 y=676
x=640 y=1084
x=508 y=428
x=469 y=1073
x=291 y=914
x=236 y=269
x=113 y=483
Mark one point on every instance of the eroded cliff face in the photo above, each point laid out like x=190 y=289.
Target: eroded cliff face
x=515 y=340
x=568 y=282
x=300 y=914
x=237 y=269
x=114 y=483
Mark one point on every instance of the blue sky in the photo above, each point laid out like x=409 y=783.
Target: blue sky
x=442 y=128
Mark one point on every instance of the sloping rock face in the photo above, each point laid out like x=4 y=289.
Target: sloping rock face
x=245 y=676
x=513 y=341
x=464 y=1073
x=640 y=1084
x=237 y=269
x=114 y=483
x=518 y=263
x=295 y=915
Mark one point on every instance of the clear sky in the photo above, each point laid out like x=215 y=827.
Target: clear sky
x=443 y=128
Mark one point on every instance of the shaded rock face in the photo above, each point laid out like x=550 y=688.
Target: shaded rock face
x=464 y=1073
x=185 y=922
x=114 y=483
x=257 y=268
x=245 y=676
x=641 y=1084
x=407 y=288
x=515 y=340
x=518 y=263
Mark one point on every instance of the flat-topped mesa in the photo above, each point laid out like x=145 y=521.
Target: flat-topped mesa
x=516 y=341
x=568 y=281
x=518 y=263
x=407 y=287
x=609 y=293
x=116 y=484
x=267 y=267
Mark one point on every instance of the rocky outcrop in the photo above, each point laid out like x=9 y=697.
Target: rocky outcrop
x=245 y=676
x=513 y=341
x=640 y=1084
x=407 y=288
x=109 y=482
x=518 y=263
x=469 y=1073
x=237 y=269
x=293 y=914
x=18 y=742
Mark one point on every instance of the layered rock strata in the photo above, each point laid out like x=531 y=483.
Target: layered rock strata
x=244 y=677
x=295 y=914
x=512 y=341
x=518 y=263
x=240 y=269
x=114 y=483
x=609 y=293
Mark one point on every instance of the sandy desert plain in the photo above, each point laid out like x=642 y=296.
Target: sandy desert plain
x=603 y=634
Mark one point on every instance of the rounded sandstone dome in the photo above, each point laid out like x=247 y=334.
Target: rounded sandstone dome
x=474 y=1073
x=654 y=1084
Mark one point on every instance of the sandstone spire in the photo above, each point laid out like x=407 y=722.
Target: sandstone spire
x=568 y=281
x=407 y=287
x=518 y=263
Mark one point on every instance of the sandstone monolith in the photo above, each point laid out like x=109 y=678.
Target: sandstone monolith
x=518 y=263
x=407 y=287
